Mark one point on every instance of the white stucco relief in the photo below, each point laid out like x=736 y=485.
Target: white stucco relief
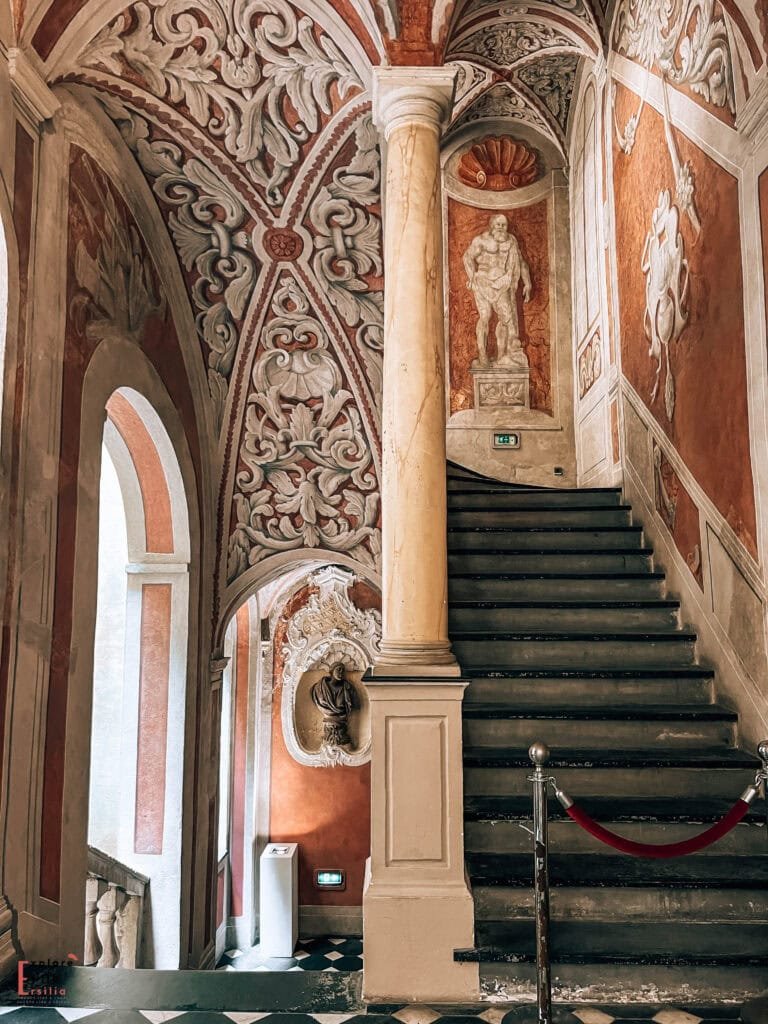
x=309 y=479
x=329 y=629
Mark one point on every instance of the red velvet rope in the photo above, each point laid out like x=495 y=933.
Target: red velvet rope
x=661 y=850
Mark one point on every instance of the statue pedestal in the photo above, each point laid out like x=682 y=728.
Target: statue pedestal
x=502 y=387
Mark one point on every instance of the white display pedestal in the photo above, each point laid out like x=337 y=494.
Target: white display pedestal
x=279 y=899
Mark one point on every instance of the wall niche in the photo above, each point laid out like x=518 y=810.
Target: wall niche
x=329 y=645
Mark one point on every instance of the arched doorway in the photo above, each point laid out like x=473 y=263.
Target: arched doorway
x=139 y=672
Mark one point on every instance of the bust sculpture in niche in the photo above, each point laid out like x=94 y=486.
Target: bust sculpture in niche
x=334 y=696
x=495 y=268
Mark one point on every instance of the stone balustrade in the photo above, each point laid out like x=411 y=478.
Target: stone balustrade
x=114 y=912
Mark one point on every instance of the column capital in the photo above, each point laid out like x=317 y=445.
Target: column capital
x=412 y=96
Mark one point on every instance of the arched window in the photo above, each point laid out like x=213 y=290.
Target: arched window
x=139 y=672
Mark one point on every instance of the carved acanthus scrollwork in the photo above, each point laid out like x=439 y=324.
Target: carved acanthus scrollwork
x=211 y=229
x=685 y=40
x=507 y=44
x=256 y=74
x=306 y=476
x=348 y=247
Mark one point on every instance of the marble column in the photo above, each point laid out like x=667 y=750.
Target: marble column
x=410 y=108
x=417 y=907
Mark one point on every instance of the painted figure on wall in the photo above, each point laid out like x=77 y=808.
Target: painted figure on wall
x=334 y=696
x=495 y=268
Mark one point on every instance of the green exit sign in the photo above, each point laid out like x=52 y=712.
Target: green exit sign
x=330 y=878
x=506 y=439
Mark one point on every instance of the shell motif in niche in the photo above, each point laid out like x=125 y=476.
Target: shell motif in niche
x=498 y=164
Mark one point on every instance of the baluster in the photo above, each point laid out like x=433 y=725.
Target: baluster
x=127 y=931
x=108 y=905
x=94 y=887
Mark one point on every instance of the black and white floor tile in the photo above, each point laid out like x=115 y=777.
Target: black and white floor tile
x=331 y=954
x=390 y=1014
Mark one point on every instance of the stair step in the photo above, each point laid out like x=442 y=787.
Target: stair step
x=698 y=812
x=542 y=538
x=607 y=984
x=576 y=649
x=587 y=869
x=504 y=516
x=470 y=495
x=507 y=838
x=474 y=559
x=634 y=773
x=504 y=724
x=564 y=615
x=616 y=903
x=590 y=687
x=554 y=587
x=605 y=942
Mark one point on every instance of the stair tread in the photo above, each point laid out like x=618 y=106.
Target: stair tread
x=647 y=757
x=652 y=671
x=656 y=942
x=627 y=528
x=571 y=634
x=572 y=604
x=520 y=552
x=537 y=508
x=608 y=809
x=608 y=713
x=517 y=576
x=595 y=869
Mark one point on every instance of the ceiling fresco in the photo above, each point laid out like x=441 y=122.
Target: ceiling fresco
x=250 y=120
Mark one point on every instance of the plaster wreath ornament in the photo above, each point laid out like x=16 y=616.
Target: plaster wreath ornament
x=209 y=225
x=306 y=476
x=256 y=74
x=118 y=290
x=332 y=635
x=666 y=292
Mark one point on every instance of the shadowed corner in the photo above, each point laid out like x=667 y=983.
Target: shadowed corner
x=755 y=1011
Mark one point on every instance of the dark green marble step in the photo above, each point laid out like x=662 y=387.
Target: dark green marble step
x=709 y=758
x=607 y=942
x=603 y=713
x=610 y=809
x=593 y=869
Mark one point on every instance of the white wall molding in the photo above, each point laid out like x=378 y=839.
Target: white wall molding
x=31 y=94
x=735 y=548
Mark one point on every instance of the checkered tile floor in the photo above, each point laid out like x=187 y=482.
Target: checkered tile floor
x=394 y=1014
x=334 y=954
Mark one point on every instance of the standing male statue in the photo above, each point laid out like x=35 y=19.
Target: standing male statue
x=495 y=267
x=334 y=696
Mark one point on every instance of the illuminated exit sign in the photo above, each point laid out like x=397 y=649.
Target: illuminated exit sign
x=506 y=439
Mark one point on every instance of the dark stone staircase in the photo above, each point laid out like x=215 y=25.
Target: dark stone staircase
x=566 y=634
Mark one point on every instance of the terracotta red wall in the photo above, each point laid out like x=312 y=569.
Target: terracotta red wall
x=327 y=811
x=710 y=427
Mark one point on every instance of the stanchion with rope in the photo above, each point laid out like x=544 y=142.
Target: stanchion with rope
x=543 y=1012
x=755 y=1012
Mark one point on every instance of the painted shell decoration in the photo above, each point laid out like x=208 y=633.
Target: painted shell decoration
x=498 y=164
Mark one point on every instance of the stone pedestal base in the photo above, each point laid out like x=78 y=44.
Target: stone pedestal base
x=417 y=907
x=502 y=387
x=409 y=937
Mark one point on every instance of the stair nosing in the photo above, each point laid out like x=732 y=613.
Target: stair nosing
x=611 y=713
